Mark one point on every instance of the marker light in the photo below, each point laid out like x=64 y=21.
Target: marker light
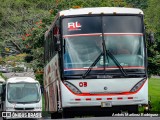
x=71 y=87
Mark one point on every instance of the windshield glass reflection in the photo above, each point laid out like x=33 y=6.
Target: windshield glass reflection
x=23 y=92
x=81 y=51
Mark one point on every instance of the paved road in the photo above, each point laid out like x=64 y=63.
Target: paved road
x=22 y=74
x=105 y=118
x=117 y=117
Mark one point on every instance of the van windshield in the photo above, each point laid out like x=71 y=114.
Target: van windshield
x=23 y=92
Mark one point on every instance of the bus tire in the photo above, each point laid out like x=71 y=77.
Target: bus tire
x=56 y=115
x=133 y=109
x=68 y=114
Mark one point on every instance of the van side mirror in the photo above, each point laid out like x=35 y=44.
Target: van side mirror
x=42 y=89
x=151 y=37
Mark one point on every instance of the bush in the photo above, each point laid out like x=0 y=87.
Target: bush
x=18 y=69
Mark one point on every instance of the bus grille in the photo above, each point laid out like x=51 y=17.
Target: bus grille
x=24 y=108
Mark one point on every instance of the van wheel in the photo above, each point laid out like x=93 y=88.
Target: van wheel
x=4 y=118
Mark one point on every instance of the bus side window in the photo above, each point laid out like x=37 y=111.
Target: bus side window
x=47 y=49
x=50 y=45
x=56 y=38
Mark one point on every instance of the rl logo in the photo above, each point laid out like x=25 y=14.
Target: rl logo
x=82 y=84
x=74 y=25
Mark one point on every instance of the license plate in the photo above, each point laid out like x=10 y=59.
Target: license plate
x=106 y=104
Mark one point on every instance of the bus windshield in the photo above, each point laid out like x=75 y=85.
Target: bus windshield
x=23 y=92
x=85 y=38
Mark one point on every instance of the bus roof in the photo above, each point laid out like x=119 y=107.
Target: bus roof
x=95 y=10
x=101 y=10
x=21 y=79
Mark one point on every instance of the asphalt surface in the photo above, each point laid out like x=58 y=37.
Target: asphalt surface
x=101 y=118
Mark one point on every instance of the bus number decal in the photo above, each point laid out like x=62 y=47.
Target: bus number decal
x=82 y=84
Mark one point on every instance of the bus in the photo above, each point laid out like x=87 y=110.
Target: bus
x=21 y=98
x=84 y=70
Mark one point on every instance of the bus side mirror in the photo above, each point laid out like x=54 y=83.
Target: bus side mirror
x=151 y=37
x=58 y=48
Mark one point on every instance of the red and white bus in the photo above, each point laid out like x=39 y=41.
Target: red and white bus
x=85 y=71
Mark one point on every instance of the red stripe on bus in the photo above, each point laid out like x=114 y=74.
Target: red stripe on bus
x=88 y=99
x=123 y=34
x=130 y=97
x=125 y=67
x=77 y=35
x=119 y=98
x=106 y=34
x=77 y=99
x=98 y=98
x=109 y=98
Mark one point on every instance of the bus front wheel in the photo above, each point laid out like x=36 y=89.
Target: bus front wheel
x=56 y=115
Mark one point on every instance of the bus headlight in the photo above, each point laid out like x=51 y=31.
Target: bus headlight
x=138 y=86
x=71 y=87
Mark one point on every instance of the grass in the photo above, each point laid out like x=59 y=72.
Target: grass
x=44 y=113
x=154 y=94
x=43 y=103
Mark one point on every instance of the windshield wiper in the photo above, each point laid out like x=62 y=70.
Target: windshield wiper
x=116 y=62
x=92 y=65
x=98 y=58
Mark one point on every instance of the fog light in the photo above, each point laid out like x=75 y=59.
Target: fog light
x=146 y=108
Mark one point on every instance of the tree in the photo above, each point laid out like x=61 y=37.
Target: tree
x=17 y=19
x=143 y=4
x=153 y=25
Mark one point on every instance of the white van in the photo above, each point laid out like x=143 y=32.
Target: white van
x=21 y=98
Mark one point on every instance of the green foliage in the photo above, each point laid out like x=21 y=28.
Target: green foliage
x=39 y=77
x=18 y=69
x=143 y=4
x=152 y=18
x=28 y=58
x=65 y=4
x=154 y=94
x=24 y=22
x=1 y=75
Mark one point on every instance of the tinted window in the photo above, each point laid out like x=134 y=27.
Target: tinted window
x=122 y=24
x=81 y=25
